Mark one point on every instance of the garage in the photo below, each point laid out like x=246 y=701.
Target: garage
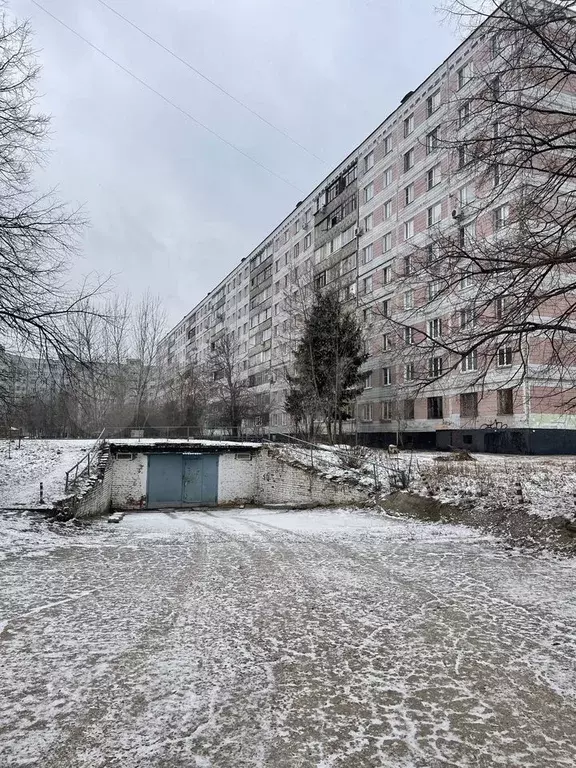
x=176 y=479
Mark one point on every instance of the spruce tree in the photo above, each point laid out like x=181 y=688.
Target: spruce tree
x=327 y=375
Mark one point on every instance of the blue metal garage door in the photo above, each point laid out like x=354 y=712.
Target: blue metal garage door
x=176 y=480
x=200 y=480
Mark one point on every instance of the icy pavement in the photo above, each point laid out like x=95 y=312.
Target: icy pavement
x=35 y=462
x=335 y=639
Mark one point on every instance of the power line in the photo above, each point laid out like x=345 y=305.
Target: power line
x=209 y=80
x=163 y=97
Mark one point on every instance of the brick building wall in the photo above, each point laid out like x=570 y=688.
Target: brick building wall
x=354 y=232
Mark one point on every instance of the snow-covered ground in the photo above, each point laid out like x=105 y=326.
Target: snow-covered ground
x=327 y=639
x=548 y=483
x=35 y=462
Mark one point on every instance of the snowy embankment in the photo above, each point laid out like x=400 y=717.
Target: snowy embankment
x=37 y=461
x=536 y=494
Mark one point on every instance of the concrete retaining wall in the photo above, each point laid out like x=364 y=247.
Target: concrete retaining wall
x=284 y=482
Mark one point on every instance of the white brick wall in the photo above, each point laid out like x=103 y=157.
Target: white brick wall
x=97 y=500
x=237 y=479
x=129 y=482
x=283 y=483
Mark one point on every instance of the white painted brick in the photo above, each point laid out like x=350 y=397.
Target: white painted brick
x=237 y=479
x=129 y=482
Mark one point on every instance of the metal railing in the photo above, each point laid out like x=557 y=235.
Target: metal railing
x=83 y=467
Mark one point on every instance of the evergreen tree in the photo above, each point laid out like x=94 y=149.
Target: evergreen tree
x=327 y=375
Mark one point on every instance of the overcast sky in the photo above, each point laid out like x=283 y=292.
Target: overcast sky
x=171 y=207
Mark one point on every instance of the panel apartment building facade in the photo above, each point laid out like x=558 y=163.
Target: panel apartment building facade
x=356 y=232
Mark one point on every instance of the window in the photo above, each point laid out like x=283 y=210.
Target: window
x=348 y=235
x=408 y=160
x=307 y=241
x=386 y=342
x=387 y=177
x=432 y=103
x=494 y=45
x=469 y=405
x=407 y=265
x=435 y=409
x=408 y=335
x=320 y=281
x=386 y=308
x=368 y=192
x=497 y=171
x=387 y=145
x=432 y=141
x=466 y=236
x=505 y=402
x=286 y=236
x=387 y=275
x=435 y=328
x=368 y=222
x=435 y=367
x=366 y=412
x=409 y=299
x=501 y=215
x=434 y=176
x=469 y=362
x=495 y=88
x=386 y=410
x=464 y=75
x=367 y=315
x=409 y=372
x=367 y=284
x=462 y=157
x=408 y=125
x=297 y=250
x=501 y=307
x=297 y=226
x=386 y=376
x=434 y=214
x=464 y=114
x=368 y=161
x=466 y=317
x=387 y=210
x=408 y=229
x=387 y=242
x=368 y=380
x=409 y=194
x=466 y=195
x=367 y=254
x=504 y=357
x=466 y=278
x=408 y=409
x=434 y=289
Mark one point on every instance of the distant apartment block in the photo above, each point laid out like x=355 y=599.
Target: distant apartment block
x=357 y=231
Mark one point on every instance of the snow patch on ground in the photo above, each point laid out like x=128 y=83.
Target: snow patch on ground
x=35 y=462
x=548 y=483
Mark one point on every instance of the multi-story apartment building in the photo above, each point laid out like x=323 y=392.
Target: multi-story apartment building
x=357 y=231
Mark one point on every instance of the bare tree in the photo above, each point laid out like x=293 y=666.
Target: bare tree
x=148 y=326
x=37 y=233
x=506 y=262
x=230 y=395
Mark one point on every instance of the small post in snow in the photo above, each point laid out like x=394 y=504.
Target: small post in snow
x=41 y=493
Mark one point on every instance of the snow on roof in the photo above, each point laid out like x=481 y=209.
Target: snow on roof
x=152 y=441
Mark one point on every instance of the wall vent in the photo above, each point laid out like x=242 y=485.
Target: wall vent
x=244 y=456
